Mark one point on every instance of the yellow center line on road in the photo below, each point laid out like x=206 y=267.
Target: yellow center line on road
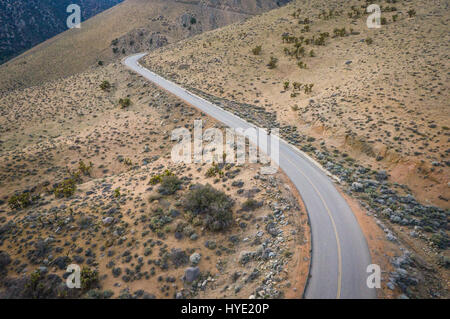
x=338 y=295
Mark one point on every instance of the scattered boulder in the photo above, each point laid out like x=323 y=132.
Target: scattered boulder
x=195 y=258
x=191 y=274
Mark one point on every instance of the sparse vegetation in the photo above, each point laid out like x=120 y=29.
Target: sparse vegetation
x=20 y=201
x=272 y=63
x=105 y=86
x=257 y=50
x=66 y=188
x=156 y=179
x=214 y=170
x=89 y=279
x=124 y=102
x=250 y=205
x=169 y=185
x=212 y=206
x=411 y=13
x=85 y=169
x=117 y=192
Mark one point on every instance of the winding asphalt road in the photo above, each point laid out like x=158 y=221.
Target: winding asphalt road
x=340 y=255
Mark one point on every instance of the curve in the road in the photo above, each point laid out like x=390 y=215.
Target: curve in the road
x=340 y=254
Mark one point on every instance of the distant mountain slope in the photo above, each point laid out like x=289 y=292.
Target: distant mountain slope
x=133 y=26
x=23 y=24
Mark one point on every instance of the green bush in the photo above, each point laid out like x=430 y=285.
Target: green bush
x=85 y=169
x=105 y=86
x=169 y=185
x=20 y=201
x=250 y=204
x=66 y=188
x=156 y=179
x=440 y=240
x=272 y=63
x=89 y=279
x=212 y=206
x=257 y=50
x=411 y=13
x=214 y=170
x=125 y=102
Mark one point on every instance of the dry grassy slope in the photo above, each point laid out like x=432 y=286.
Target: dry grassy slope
x=74 y=50
x=49 y=128
x=389 y=101
x=28 y=23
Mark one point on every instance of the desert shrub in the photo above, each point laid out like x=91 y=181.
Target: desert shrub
x=5 y=260
x=250 y=204
x=85 y=169
x=321 y=39
x=193 y=20
x=383 y=21
x=272 y=63
x=37 y=286
x=20 y=201
x=440 y=240
x=66 y=188
x=308 y=88
x=105 y=86
x=169 y=185
x=117 y=192
x=312 y=54
x=98 y=294
x=125 y=102
x=214 y=170
x=159 y=220
x=212 y=206
x=339 y=32
x=156 y=179
x=89 y=279
x=257 y=50
x=369 y=41
x=286 y=85
x=178 y=257
x=411 y=13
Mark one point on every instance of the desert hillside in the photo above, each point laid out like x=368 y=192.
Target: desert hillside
x=371 y=105
x=86 y=175
x=131 y=26
x=27 y=23
x=86 y=178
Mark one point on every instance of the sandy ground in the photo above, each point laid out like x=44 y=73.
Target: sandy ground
x=48 y=129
